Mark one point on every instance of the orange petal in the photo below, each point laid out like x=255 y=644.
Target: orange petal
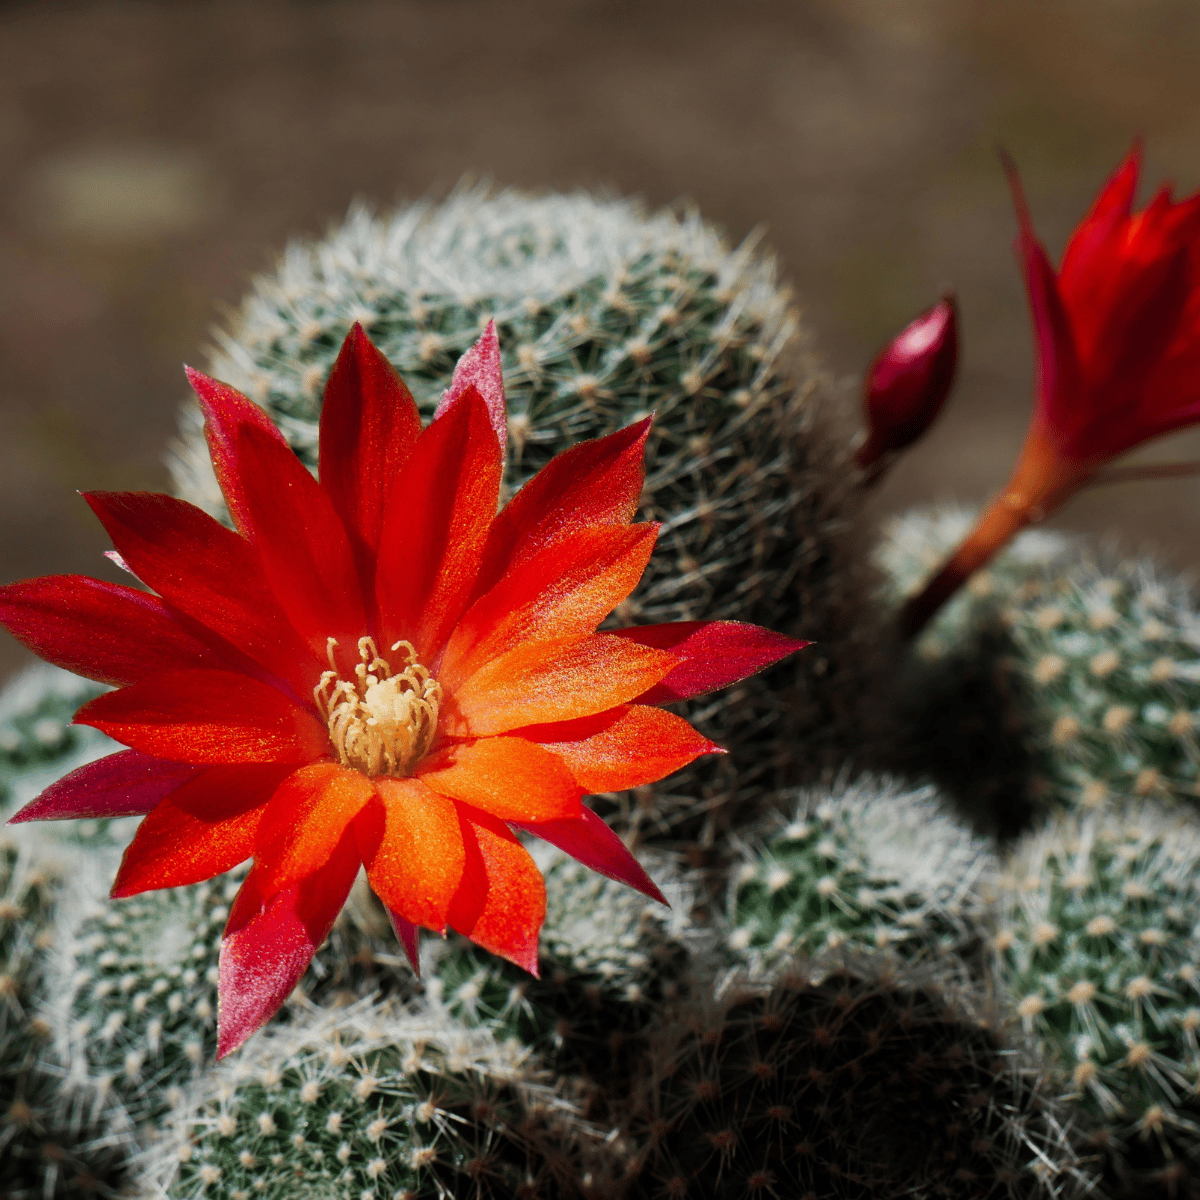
x=567 y=589
x=501 y=902
x=509 y=777
x=412 y=846
x=204 y=828
x=622 y=748
x=555 y=680
x=305 y=820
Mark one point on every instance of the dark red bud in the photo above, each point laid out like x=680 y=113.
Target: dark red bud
x=909 y=381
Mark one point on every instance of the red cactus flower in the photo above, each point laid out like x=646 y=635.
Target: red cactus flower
x=1117 y=343
x=907 y=385
x=376 y=669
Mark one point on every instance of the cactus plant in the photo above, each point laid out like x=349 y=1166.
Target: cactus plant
x=1097 y=950
x=840 y=1081
x=367 y=1101
x=863 y=866
x=605 y=314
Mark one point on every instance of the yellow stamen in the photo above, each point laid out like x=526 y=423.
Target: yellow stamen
x=383 y=723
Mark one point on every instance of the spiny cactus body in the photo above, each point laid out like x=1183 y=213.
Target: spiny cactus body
x=1097 y=950
x=367 y=1101
x=863 y=866
x=606 y=314
x=839 y=1082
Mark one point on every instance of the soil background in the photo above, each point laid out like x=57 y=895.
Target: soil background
x=154 y=156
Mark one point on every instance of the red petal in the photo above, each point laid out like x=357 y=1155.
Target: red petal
x=412 y=846
x=480 y=368
x=590 y=841
x=435 y=527
x=306 y=819
x=708 y=655
x=208 y=573
x=203 y=829
x=225 y=411
x=208 y=717
x=306 y=554
x=566 y=590
x=597 y=482
x=555 y=680
x=622 y=748
x=270 y=940
x=501 y=902
x=101 y=630
x=125 y=784
x=406 y=933
x=369 y=422
x=506 y=776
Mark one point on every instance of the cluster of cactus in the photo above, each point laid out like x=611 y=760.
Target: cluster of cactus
x=606 y=314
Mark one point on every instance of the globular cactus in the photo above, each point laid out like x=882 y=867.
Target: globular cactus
x=1098 y=954
x=46 y=1152
x=864 y=866
x=605 y=314
x=39 y=745
x=839 y=1082
x=1076 y=671
x=369 y=1101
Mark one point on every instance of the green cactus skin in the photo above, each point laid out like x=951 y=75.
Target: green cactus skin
x=843 y=1082
x=45 y=1153
x=1076 y=674
x=372 y=1102
x=1097 y=952
x=605 y=314
x=863 y=866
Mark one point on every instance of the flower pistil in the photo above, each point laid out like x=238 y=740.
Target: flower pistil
x=383 y=723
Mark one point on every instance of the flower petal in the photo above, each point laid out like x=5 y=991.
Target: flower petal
x=708 y=655
x=597 y=482
x=125 y=784
x=481 y=369
x=509 y=777
x=208 y=573
x=202 y=829
x=225 y=411
x=567 y=589
x=369 y=422
x=555 y=680
x=408 y=936
x=411 y=843
x=103 y=631
x=501 y=903
x=590 y=841
x=305 y=820
x=434 y=529
x=306 y=554
x=622 y=748
x=270 y=940
x=208 y=717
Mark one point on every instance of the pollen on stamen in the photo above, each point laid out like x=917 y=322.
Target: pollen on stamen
x=384 y=722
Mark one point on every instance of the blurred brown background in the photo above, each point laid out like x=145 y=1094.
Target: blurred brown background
x=154 y=155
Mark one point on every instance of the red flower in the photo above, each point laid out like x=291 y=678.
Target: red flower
x=377 y=670
x=908 y=383
x=1117 y=333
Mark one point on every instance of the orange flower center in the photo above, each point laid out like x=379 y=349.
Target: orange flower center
x=384 y=722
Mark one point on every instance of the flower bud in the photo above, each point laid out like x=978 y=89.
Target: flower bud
x=909 y=381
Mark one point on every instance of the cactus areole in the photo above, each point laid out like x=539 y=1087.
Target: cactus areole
x=375 y=669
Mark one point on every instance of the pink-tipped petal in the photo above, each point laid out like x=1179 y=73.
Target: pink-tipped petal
x=590 y=841
x=481 y=369
x=709 y=655
x=270 y=940
x=125 y=784
x=409 y=937
x=226 y=410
